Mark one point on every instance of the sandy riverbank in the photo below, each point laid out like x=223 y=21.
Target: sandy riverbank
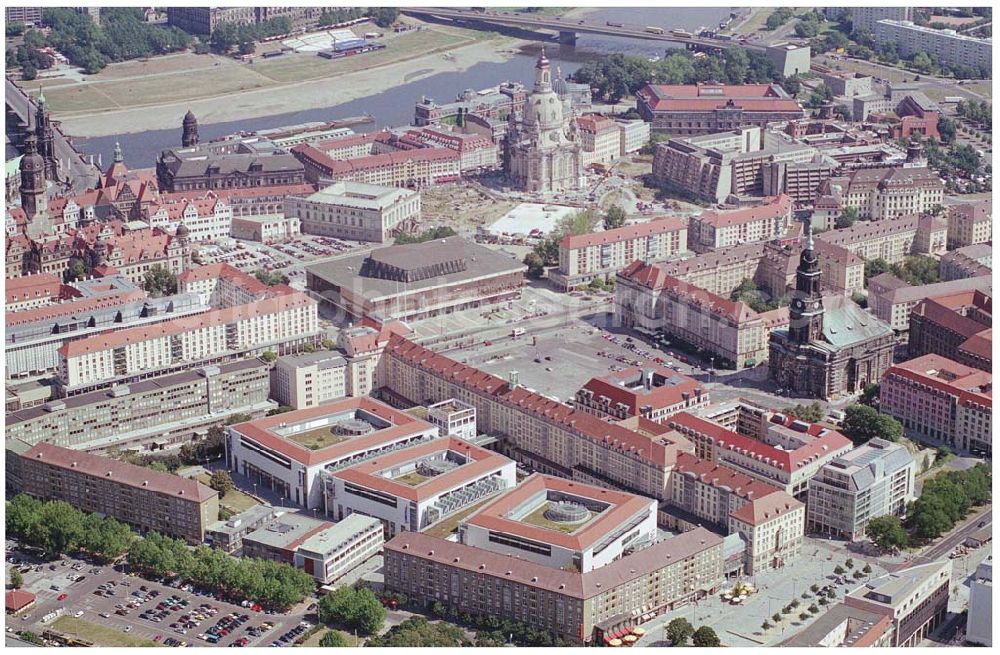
x=313 y=94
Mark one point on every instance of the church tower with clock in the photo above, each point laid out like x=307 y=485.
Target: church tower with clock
x=805 y=316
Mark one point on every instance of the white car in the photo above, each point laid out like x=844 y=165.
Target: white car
x=128 y=628
x=78 y=614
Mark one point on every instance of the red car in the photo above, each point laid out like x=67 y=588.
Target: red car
x=61 y=597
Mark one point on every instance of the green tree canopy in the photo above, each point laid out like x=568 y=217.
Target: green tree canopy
x=705 y=637
x=678 y=631
x=221 y=482
x=333 y=638
x=159 y=281
x=863 y=423
x=16 y=579
x=353 y=609
x=614 y=217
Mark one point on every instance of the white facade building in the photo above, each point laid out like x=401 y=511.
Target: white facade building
x=357 y=211
x=309 y=379
x=329 y=554
x=979 y=628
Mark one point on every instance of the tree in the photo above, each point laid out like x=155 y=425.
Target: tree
x=14 y=28
x=384 y=16
x=806 y=29
x=849 y=563
x=846 y=218
x=28 y=71
x=765 y=626
x=16 y=579
x=875 y=267
x=792 y=85
x=270 y=278
x=813 y=412
x=869 y=395
x=355 y=609
x=803 y=616
x=159 y=281
x=77 y=271
x=269 y=356
x=839 y=570
x=814 y=588
x=863 y=423
x=922 y=62
x=535 y=264
x=813 y=609
x=333 y=638
x=920 y=269
x=221 y=482
x=705 y=637
x=614 y=217
x=776 y=617
x=678 y=631
x=831 y=593
x=30 y=637
x=947 y=129
x=159 y=467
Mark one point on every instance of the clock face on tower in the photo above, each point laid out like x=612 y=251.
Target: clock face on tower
x=798 y=304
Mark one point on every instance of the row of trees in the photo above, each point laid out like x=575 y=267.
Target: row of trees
x=780 y=16
x=619 y=76
x=975 y=111
x=381 y=16
x=121 y=35
x=418 y=632
x=431 y=234
x=916 y=269
x=353 y=609
x=945 y=500
x=59 y=528
x=226 y=36
x=493 y=631
x=270 y=278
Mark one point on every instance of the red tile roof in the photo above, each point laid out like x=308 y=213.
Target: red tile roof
x=260 y=430
x=481 y=463
x=718 y=475
x=658 y=225
x=657 y=450
x=16 y=600
x=768 y=508
x=666 y=395
x=967 y=384
x=119 y=471
x=234 y=276
x=494 y=516
x=708 y=97
x=774 y=206
x=652 y=277
x=370 y=162
x=75 y=307
x=33 y=287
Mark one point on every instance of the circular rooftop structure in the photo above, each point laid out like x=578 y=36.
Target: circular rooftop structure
x=353 y=427
x=567 y=512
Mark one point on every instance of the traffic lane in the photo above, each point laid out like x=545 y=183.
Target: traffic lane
x=941 y=549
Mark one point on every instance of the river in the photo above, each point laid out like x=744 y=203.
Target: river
x=394 y=107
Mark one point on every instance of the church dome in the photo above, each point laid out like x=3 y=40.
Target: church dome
x=182 y=230
x=190 y=117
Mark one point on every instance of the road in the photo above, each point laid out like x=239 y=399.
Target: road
x=567 y=25
x=82 y=175
x=941 y=549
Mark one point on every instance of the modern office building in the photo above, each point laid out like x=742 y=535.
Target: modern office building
x=581 y=608
x=151 y=414
x=654 y=392
x=329 y=554
x=420 y=280
x=562 y=524
x=228 y=535
x=915 y=598
x=356 y=211
x=279 y=538
x=938 y=398
x=875 y=479
x=138 y=496
x=979 y=627
x=585 y=257
x=685 y=109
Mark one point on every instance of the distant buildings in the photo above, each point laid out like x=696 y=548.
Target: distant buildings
x=683 y=110
x=891 y=239
x=864 y=18
x=892 y=299
x=421 y=280
x=356 y=211
x=143 y=498
x=204 y=20
x=585 y=257
x=875 y=479
x=541 y=155
x=604 y=140
x=748 y=161
x=421 y=167
x=880 y=193
x=915 y=599
x=831 y=347
x=654 y=392
x=979 y=627
x=947 y=46
x=938 y=398
x=712 y=230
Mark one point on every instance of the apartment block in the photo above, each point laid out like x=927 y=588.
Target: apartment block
x=915 y=599
x=600 y=140
x=634 y=135
x=150 y=414
x=135 y=495
x=713 y=229
x=646 y=297
x=875 y=479
x=969 y=261
x=587 y=256
x=864 y=18
x=280 y=323
x=424 y=167
x=938 y=398
x=947 y=46
x=891 y=239
x=581 y=608
x=772 y=528
x=892 y=299
x=970 y=223
x=356 y=211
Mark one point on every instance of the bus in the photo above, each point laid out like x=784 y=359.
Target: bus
x=654 y=30
x=684 y=34
x=516 y=332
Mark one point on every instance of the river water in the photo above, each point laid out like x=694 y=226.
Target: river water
x=394 y=107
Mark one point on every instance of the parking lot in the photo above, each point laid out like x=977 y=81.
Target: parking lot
x=148 y=612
